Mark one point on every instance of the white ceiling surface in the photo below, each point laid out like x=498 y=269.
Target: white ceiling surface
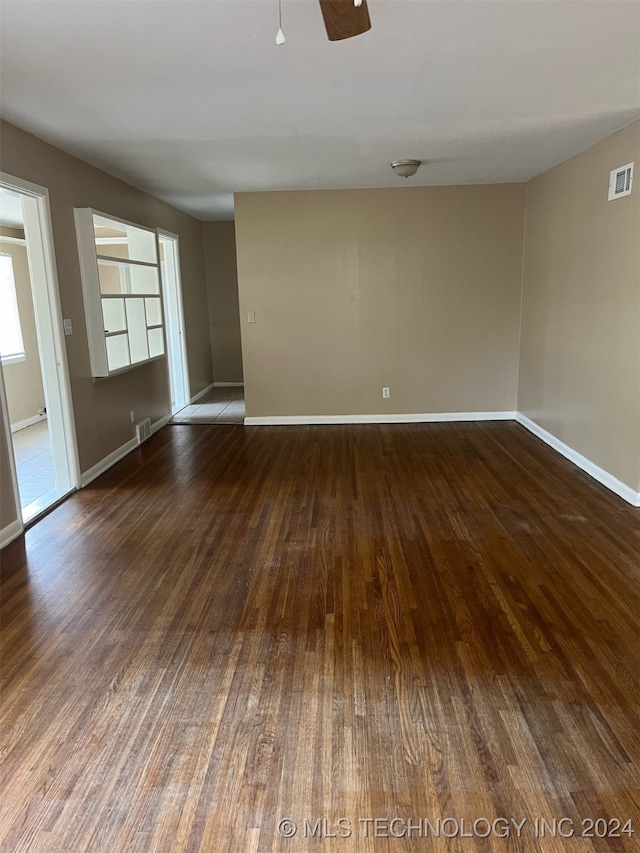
x=192 y=101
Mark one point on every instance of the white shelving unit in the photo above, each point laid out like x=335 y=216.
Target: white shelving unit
x=122 y=293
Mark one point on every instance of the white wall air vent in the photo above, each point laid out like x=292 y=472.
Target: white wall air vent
x=143 y=430
x=620 y=181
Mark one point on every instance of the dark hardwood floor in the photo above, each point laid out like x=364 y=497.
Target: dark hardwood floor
x=237 y=626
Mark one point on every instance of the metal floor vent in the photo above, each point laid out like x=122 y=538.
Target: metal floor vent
x=143 y=430
x=620 y=181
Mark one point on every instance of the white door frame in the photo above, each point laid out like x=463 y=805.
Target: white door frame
x=49 y=325
x=174 y=326
x=15 y=528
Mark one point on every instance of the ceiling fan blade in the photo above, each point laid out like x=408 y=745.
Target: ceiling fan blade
x=343 y=20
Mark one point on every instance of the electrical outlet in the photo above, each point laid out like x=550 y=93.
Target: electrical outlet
x=251 y=317
x=132 y=415
x=386 y=393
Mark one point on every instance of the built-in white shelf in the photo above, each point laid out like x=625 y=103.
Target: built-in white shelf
x=122 y=293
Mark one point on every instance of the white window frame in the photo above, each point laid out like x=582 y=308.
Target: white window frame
x=8 y=285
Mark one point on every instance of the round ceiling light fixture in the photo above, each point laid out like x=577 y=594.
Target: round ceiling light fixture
x=405 y=168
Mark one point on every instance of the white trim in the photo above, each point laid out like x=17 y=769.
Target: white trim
x=599 y=474
x=175 y=330
x=15 y=358
x=120 y=221
x=10 y=532
x=277 y=420
x=201 y=394
x=228 y=384
x=18 y=241
x=12 y=348
x=523 y=269
x=51 y=339
x=110 y=241
x=35 y=510
x=106 y=463
x=156 y=425
x=118 y=454
x=38 y=229
x=27 y=422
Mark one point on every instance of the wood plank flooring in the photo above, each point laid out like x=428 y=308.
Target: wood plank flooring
x=436 y=624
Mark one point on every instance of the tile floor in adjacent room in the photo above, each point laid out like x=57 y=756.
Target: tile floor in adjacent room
x=223 y=405
x=34 y=468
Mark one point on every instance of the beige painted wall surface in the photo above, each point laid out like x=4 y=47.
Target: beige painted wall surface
x=580 y=358
x=23 y=380
x=102 y=406
x=222 y=288
x=417 y=289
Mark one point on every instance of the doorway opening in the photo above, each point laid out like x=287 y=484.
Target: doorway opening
x=35 y=392
x=174 y=320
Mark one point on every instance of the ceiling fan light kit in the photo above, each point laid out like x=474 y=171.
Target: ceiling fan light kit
x=405 y=168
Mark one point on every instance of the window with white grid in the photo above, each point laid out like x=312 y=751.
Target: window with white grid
x=11 y=343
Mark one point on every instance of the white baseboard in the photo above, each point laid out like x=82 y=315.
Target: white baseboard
x=156 y=425
x=604 y=477
x=202 y=393
x=445 y=417
x=599 y=474
x=10 y=532
x=106 y=463
x=27 y=422
x=228 y=384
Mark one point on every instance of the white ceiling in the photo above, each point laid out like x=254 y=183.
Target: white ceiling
x=192 y=101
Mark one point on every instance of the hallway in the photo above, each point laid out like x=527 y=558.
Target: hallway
x=224 y=405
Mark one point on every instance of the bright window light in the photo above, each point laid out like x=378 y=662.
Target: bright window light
x=11 y=343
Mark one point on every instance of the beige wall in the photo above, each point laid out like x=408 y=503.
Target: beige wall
x=102 y=406
x=417 y=289
x=222 y=288
x=580 y=352
x=23 y=380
